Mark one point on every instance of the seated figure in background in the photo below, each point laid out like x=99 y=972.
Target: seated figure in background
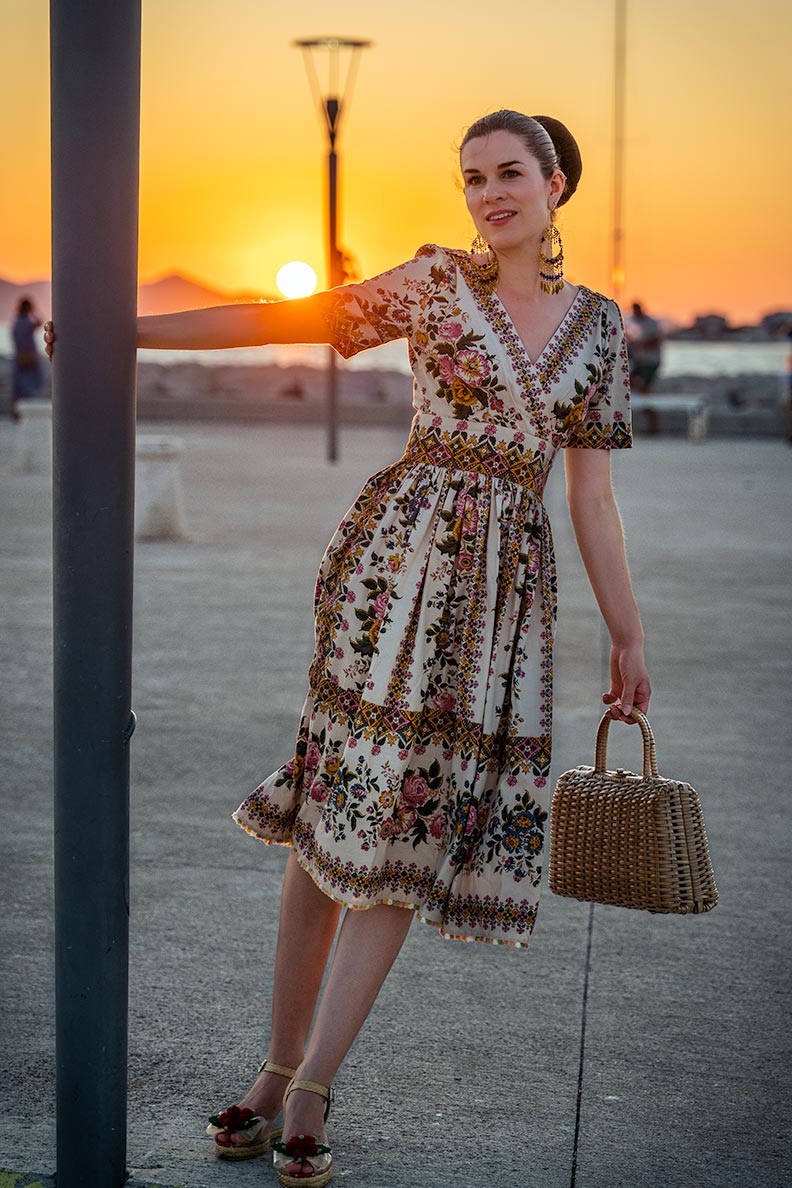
x=644 y=348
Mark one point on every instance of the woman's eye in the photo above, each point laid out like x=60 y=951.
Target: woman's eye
x=474 y=181
x=510 y=173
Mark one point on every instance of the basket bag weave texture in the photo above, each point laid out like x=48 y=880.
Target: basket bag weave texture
x=635 y=841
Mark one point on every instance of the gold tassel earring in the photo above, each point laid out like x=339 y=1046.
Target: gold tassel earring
x=486 y=272
x=551 y=262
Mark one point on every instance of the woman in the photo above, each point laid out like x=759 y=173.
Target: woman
x=27 y=378
x=419 y=779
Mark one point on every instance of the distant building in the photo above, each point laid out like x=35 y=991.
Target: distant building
x=777 y=324
x=711 y=326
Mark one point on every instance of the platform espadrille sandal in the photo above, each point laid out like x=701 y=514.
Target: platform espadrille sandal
x=304 y=1148
x=241 y=1120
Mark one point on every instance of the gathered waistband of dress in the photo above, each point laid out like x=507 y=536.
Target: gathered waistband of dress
x=457 y=450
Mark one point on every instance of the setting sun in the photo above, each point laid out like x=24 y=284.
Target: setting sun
x=296 y=279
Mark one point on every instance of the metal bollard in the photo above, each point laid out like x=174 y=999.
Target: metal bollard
x=158 y=493
x=33 y=452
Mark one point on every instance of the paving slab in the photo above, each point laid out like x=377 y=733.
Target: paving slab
x=469 y=1071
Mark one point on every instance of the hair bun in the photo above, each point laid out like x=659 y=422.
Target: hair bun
x=569 y=159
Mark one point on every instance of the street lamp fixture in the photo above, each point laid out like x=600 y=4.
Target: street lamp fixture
x=342 y=57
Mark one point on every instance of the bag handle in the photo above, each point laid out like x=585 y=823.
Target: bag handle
x=649 y=751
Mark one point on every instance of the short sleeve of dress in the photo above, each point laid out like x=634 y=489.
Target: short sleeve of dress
x=386 y=307
x=606 y=424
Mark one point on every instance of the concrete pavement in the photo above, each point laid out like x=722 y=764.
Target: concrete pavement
x=622 y=1049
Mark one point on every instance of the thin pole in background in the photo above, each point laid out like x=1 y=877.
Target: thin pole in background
x=95 y=114
x=333 y=106
x=619 y=99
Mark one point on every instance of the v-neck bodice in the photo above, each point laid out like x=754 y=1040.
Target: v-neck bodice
x=533 y=362
x=470 y=364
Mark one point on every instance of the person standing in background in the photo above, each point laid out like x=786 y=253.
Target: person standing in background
x=644 y=348
x=27 y=378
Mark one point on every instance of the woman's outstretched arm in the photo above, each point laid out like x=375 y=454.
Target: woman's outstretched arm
x=600 y=537
x=246 y=324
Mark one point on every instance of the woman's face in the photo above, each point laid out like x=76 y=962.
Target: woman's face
x=506 y=194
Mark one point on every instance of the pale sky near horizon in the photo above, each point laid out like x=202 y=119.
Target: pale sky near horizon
x=232 y=173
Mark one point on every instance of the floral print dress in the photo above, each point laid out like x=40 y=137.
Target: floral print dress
x=420 y=772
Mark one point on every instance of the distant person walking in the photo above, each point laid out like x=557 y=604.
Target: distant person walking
x=27 y=377
x=644 y=349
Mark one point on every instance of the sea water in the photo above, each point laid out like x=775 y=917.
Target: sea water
x=679 y=358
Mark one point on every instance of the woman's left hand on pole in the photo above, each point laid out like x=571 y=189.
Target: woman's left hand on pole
x=49 y=338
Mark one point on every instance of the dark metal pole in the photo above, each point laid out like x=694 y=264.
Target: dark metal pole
x=619 y=72
x=332 y=107
x=95 y=57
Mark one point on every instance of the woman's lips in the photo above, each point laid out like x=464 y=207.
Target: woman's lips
x=499 y=217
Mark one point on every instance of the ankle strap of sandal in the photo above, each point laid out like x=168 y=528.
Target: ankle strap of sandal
x=325 y=1091
x=280 y=1069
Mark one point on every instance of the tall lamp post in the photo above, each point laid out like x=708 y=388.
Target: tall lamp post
x=332 y=103
x=619 y=76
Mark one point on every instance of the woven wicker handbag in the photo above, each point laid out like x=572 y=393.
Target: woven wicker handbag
x=628 y=840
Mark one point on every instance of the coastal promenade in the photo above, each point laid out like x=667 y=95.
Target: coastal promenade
x=622 y=1050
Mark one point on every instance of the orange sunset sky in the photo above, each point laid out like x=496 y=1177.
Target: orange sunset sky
x=232 y=172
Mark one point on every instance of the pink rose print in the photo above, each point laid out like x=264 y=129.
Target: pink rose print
x=313 y=754
x=449 y=329
x=319 y=791
x=445 y=699
x=445 y=368
x=415 y=790
x=381 y=603
x=472 y=367
x=437 y=826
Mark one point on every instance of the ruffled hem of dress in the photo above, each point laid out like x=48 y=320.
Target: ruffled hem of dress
x=390 y=901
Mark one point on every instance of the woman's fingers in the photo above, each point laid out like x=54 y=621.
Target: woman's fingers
x=49 y=338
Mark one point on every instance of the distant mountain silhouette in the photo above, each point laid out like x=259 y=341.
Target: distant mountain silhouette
x=165 y=295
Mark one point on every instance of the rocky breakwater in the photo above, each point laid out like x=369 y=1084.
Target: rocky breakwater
x=270 y=393
x=750 y=405
x=743 y=405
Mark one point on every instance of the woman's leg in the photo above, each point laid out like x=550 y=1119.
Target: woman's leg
x=368 y=944
x=308 y=921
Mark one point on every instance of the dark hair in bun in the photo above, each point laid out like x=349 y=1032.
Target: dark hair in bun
x=546 y=138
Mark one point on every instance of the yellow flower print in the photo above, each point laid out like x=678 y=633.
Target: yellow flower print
x=386 y=799
x=332 y=765
x=421 y=339
x=374 y=632
x=462 y=394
